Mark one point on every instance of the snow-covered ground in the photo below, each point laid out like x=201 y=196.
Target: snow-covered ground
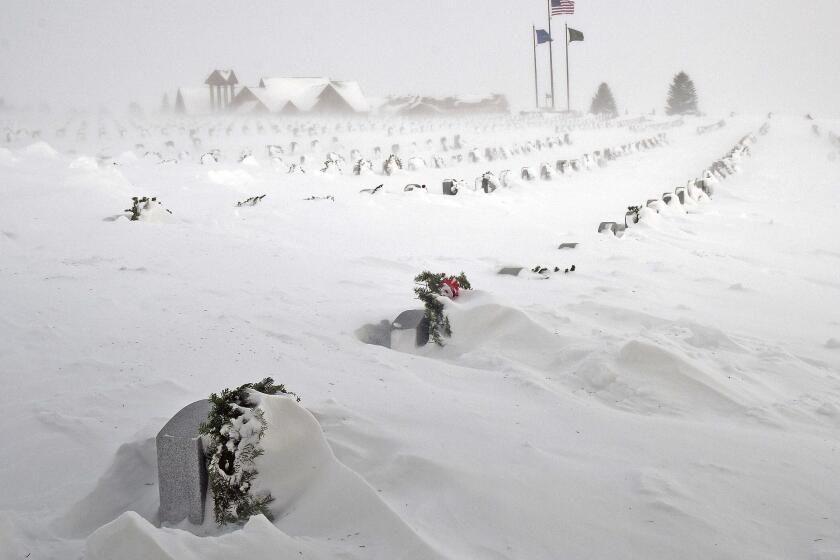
x=677 y=396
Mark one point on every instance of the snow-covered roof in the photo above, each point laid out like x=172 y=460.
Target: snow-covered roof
x=275 y=98
x=305 y=93
x=193 y=101
x=352 y=93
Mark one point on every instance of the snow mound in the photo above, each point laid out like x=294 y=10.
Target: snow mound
x=86 y=163
x=128 y=484
x=7 y=158
x=491 y=335
x=322 y=509
x=130 y=537
x=661 y=379
x=227 y=178
x=316 y=495
x=156 y=214
x=40 y=149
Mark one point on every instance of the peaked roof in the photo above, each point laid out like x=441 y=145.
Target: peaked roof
x=307 y=93
x=258 y=98
x=221 y=78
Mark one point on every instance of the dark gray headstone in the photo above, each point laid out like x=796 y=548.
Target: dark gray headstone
x=511 y=271
x=607 y=226
x=182 y=468
x=450 y=188
x=410 y=328
x=568 y=246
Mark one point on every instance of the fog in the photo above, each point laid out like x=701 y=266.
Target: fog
x=749 y=55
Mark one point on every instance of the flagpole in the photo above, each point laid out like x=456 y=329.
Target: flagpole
x=536 y=81
x=568 y=102
x=551 y=55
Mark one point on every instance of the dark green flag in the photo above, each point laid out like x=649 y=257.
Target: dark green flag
x=575 y=35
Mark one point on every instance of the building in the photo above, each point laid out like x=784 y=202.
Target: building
x=302 y=95
x=216 y=96
x=222 y=88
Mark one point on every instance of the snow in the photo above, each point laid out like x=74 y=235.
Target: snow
x=676 y=396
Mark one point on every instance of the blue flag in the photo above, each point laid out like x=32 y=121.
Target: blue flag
x=543 y=36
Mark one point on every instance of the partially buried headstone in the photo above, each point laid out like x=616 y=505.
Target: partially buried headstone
x=568 y=246
x=607 y=226
x=511 y=271
x=528 y=173
x=182 y=468
x=450 y=187
x=410 y=330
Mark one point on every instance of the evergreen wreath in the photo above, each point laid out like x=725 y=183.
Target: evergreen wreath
x=252 y=201
x=139 y=204
x=428 y=287
x=234 y=427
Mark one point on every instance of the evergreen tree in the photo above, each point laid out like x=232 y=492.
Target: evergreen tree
x=682 y=96
x=603 y=103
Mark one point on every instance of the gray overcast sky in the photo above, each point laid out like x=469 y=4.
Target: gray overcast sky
x=744 y=55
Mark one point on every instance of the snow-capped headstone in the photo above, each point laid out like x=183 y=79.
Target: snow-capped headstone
x=182 y=469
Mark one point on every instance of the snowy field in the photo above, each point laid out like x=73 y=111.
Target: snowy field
x=677 y=396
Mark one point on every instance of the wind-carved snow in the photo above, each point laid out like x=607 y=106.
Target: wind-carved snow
x=676 y=396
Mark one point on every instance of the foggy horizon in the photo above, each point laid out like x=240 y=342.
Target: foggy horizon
x=746 y=57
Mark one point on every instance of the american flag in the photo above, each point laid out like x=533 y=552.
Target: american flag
x=562 y=7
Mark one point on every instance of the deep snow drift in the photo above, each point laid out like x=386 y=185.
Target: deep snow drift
x=677 y=396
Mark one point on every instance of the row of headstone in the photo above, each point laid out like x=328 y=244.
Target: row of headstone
x=695 y=190
x=197 y=130
x=711 y=127
x=598 y=158
x=488 y=182
x=644 y=125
